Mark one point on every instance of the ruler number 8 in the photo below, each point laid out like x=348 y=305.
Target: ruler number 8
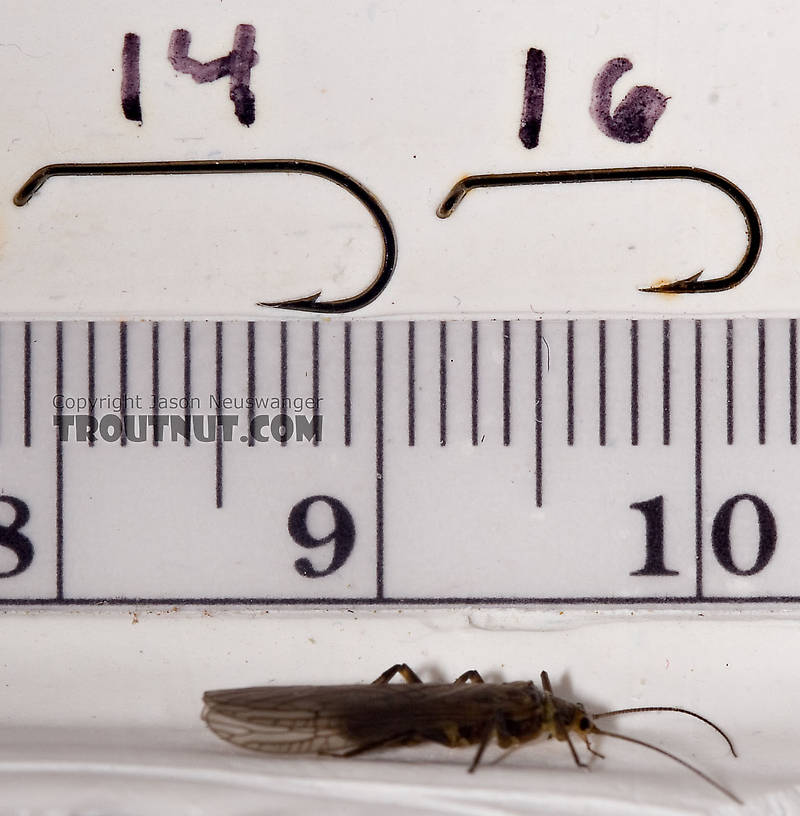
x=12 y=539
x=653 y=511
x=342 y=536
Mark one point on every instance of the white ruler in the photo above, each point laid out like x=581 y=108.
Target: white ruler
x=497 y=462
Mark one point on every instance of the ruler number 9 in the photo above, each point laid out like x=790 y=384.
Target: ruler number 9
x=342 y=535
x=12 y=539
x=653 y=511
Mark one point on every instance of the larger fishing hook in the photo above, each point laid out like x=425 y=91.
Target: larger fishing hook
x=691 y=284
x=310 y=303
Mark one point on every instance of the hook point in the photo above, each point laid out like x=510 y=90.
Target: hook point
x=682 y=286
x=307 y=303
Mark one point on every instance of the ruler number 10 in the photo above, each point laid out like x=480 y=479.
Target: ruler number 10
x=342 y=535
x=653 y=511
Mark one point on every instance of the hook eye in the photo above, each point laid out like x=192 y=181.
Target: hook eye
x=689 y=285
x=309 y=303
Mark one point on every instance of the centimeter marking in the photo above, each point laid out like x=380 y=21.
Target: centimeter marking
x=59 y=468
x=541 y=357
x=156 y=376
x=698 y=453
x=379 y=468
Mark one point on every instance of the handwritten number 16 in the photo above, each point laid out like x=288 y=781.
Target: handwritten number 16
x=632 y=122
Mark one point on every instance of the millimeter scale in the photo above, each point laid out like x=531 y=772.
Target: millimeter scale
x=397 y=462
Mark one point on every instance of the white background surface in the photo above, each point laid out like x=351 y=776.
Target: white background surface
x=407 y=98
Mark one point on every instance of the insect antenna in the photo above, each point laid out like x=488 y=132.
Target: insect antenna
x=670 y=708
x=677 y=759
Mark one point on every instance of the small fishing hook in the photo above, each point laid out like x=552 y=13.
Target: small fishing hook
x=310 y=303
x=685 y=285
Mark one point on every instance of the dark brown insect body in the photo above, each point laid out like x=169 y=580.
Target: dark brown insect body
x=351 y=719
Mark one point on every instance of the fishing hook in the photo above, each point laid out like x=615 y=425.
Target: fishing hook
x=310 y=303
x=685 y=285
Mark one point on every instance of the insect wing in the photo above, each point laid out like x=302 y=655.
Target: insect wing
x=280 y=720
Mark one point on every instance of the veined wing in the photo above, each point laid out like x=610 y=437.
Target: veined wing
x=285 y=720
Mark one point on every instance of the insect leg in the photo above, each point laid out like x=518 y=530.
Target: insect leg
x=578 y=761
x=497 y=727
x=470 y=676
x=486 y=736
x=506 y=754
x=403 y=669
x=563 y=732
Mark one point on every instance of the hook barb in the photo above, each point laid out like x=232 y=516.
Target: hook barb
x=302 y=304
x=688 y=285
x=310 y=303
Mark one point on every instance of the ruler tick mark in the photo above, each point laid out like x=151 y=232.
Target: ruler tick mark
x=442 y=383
x=123 y=381
x=284 y=376
x=218 y=384
x=315 y=380
x=59 y=466
x=665 y=382
x=90 y=362
x=793 y=381
x=187 y=379
x=506 y=382
x=698 y=454
x=379 y=461
x=251 y=381
x=634 y=382
x=412 y=384
x=762 y=383
x=347 y=394
x=601 y=380
x=570 y=382
x=156 y=384
x=538 y=398
x=26 y=386
x=729 y=343
x=475 y=363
